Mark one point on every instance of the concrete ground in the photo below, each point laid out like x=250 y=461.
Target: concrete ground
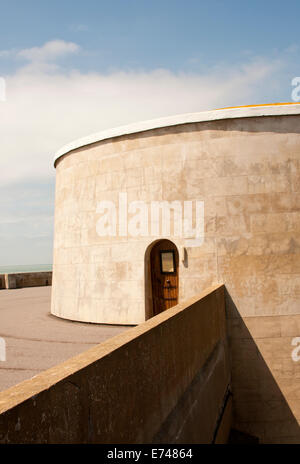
x=35 y=340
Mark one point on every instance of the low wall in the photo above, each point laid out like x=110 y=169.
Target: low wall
x=26 y=279
x=164 y=381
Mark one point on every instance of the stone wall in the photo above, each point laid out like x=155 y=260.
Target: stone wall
x=26 y=279
x=164 y=381
x=265 y=378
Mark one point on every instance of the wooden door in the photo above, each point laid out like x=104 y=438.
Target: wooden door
x=164 y=275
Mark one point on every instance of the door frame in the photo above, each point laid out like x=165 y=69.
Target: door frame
x=148 y=279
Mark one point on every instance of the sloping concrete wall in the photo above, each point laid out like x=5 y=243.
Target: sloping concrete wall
x=166 y=380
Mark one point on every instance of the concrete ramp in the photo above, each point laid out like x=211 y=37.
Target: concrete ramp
x=164 y=381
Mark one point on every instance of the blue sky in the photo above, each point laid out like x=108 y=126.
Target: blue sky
x=149 y=34
x=72 y=68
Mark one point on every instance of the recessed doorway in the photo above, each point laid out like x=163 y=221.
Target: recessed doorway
x=164 y=262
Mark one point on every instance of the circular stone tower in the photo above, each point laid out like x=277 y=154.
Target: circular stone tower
x=182 y=202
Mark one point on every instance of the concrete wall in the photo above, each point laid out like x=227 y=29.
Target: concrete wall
x=247 y=171
x=265 y=378
x=26 y=279
x=165 y=381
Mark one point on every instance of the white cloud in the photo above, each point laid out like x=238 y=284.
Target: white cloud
x=44 y=110
x=49 y=51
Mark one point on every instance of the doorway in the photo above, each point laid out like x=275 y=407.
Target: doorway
x=164 y=262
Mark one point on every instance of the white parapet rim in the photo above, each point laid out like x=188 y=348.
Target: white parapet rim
x=271 y=109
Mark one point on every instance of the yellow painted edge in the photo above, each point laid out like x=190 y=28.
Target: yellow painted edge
x=260 y=104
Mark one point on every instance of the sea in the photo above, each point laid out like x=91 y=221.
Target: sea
x=25 y=268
